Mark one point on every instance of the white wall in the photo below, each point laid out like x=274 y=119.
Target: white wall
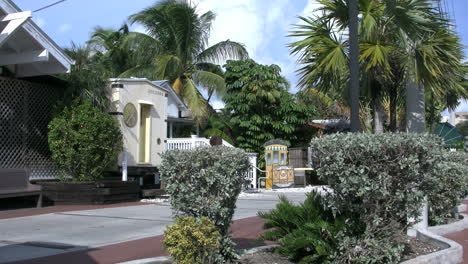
x=142 y=92
x=172 y=109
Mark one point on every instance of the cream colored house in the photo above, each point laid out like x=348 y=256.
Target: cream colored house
x=140 y=106
x=147 y=113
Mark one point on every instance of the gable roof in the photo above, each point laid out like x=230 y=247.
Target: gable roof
x=24 y=48
x=172 y=94
x=138 y=80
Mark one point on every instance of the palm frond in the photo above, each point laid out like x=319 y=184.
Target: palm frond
x=194 y=100
x=222 y=51
x=210 y=81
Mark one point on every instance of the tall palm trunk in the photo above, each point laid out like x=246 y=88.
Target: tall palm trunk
x=415 y=108
x=378 y=115
x=393 y=108
x=432 y=113
x=354 y=64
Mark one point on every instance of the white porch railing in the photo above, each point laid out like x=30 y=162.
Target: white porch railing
x=194 y=142
x=186 y=143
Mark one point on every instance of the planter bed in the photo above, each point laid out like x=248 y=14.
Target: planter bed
x=72 y=193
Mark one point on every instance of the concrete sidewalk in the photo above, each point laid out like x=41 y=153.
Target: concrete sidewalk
x=66 y=232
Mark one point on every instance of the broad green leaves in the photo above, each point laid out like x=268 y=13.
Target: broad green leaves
x=260 y=105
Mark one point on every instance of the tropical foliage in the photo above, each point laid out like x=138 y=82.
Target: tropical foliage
x=400 y=42
x=192 y=240
x=306 y=233
x=463 y=128
x=174 y=47
x=84 y=142
x=186 y=60
x=261 y=107
x=87 y=80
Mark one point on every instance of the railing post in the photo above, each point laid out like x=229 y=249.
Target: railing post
x=124 y=166
x=194 y=141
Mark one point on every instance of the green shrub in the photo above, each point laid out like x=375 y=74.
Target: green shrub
x=206 y=182
x=306 y=233
x=382 y=179
x=376 y=247
x=192 y=240
x=84 y=142
x=448 y=184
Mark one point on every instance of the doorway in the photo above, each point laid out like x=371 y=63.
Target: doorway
x=145 y=134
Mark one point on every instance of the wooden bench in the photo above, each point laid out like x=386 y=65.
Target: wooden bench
x=15 y=183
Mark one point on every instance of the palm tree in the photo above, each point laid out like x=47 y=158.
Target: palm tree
x=180 y=35
x=87 y=80
x=354 y=64
x=120 y=50
x=401 y=42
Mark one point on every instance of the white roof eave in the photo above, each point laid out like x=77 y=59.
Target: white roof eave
x=40 y=36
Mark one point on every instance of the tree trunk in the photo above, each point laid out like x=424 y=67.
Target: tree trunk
x=415 y=108
x=378 y=115
x=393 y=108
x=354 y=64
x=432 y=114
x=210 y=93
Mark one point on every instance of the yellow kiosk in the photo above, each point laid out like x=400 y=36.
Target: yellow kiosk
x=276 y=160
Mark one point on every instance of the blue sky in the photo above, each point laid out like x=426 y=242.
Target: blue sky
x=262 y=25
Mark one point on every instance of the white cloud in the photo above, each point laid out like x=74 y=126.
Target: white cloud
x=250 y=22
x=64 y=28
x=311 y=8
x=139 y=28
x=237 y=21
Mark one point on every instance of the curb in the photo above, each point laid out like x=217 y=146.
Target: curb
x=156 y=260
x=450 y=228
x=258 y=250
x=462 y=207
x=452 y=254
x=167 y=260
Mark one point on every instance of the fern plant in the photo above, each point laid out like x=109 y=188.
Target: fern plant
x=306 y=232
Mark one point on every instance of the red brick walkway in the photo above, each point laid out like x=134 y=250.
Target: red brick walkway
x=461 y=238
x=244 y=232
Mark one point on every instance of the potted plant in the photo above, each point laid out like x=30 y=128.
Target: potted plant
x=84 y=142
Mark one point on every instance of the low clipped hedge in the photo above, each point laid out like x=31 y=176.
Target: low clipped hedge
x=205 y=182
x=380 y=176
x=448 y=184
x=382 y=179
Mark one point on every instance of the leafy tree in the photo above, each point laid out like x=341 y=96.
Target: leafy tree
x=120 y=50
x=463 y=128
x=180 y=35
x=87 y=80
x=260 y=105
x=84 y=142
x=401 y=42
x=219 y=124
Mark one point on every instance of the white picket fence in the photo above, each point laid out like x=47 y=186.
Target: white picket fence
x=190 y=143
x=194 y=142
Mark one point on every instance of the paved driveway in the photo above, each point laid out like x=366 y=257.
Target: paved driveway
x=43 y=235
